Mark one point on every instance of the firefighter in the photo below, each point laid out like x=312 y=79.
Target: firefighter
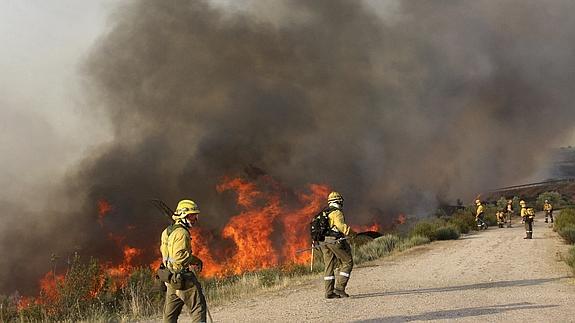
x=509 y=212
x=500 y=218
x=183 y=287
x=479 y=215
x=527 y=214
x=548 y=208
x=337 y=255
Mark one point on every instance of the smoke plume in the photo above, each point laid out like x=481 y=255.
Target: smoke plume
x=397 y=109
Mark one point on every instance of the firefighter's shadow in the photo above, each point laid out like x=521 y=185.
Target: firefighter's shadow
x=460 y=313
x=498 y=284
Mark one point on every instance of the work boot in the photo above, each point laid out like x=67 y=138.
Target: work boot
x=332 y=295
x=340 y=293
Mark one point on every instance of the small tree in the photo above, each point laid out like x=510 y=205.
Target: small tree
x=502 y=203
x=554 y=198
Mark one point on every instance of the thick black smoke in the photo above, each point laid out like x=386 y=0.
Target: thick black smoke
x=439 y=100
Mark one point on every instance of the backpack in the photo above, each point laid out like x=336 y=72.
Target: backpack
x=319 y=226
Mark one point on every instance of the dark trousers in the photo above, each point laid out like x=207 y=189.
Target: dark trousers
x=550 y=215
x=529 y=228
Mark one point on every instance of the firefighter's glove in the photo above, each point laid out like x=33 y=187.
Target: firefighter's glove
x=198 y=266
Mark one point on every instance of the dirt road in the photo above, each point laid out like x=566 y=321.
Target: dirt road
x=491 y=276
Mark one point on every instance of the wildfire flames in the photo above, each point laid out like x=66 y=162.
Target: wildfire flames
x=266 y=232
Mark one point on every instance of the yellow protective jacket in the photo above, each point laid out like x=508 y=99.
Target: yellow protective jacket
x=525 y=213
x=547 y=207
x=176 y=248
x=479 y=210
x=337 y=222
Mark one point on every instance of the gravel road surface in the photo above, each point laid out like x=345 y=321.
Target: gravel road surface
x=491 y=276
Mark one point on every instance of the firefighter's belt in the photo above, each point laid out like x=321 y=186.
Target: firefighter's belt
x=164 y=274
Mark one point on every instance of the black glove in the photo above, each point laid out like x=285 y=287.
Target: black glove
x=198 y=265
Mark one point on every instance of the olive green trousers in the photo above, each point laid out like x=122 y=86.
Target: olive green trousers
x=336 y=257
x=191 y=296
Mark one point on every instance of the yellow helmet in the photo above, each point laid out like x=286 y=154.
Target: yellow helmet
x=546 y=201
x=478 y=201
x=334 y=197
x=184 y=208
x=522 y=203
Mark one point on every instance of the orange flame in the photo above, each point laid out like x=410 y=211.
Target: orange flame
x=266 y=233
x=363 y=228
x=104 y=207
x=401 y=219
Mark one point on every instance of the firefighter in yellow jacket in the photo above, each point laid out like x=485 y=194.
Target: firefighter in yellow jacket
x=548 y=208
x=479 y=216
x=183 y=287
x=509 y=214
x=527 y=214
x=337 y=255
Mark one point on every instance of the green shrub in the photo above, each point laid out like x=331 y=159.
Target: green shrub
x=376 y=249
x=425 y=229
x=448 y=232
x=565 y=218
x=463 y=221
x=412 y=242
x=554 y=198
x=502 y=203
x=568 y=233
x=571 y=259
x=8 y=308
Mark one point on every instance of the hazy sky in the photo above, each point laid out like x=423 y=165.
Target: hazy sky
x=41 y=129
x=44 y=42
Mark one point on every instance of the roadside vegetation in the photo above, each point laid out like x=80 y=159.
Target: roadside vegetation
x=565 y=227
x=87 y=293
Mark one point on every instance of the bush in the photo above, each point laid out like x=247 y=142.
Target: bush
x=568 y=233
x=566 y=217
x=378 y=248
x=412 y=242
x=425 y=229
x=571 y=259
x=448 y=232
x=554 y=198
x=463 y=221
x=8 y=308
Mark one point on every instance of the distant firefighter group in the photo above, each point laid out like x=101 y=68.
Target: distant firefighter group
x=504 y=216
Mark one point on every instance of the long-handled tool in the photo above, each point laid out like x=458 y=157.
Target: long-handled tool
x=319 y=244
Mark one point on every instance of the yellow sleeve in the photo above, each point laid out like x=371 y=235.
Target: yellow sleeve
x=523 y=212
x=164 y=245
x=179 y=249
x=337 y=220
